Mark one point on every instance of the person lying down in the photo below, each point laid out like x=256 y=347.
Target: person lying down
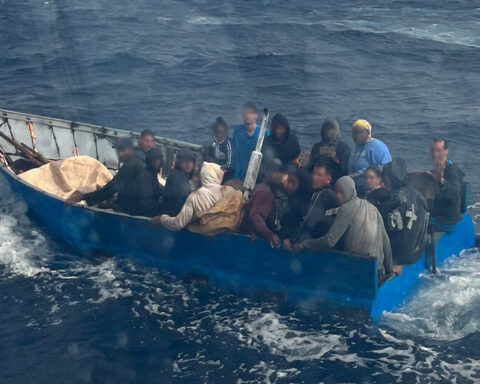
x=211 y=176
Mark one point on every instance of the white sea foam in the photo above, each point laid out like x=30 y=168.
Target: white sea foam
x=446 y=306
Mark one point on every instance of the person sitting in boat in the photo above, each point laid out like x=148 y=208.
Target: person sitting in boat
x=200 y=200
x=446 y=210
x=149 y=191
x=360 y=226
x=296 y=187
x=331 y=149
x=314 y=222
x=261 y=213
x=376 y=193
x=367 y=151
x=122 y=184
x=221 y=151
x=405 y=215
x=245 y=139
x=281 y=144
x=145 y=143
x=178 y=186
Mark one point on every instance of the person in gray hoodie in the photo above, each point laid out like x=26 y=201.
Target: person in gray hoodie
x=360 y=226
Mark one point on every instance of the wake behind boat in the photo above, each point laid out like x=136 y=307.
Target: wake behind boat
x=307 y=279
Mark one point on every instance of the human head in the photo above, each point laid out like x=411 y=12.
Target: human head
x=185 y=161
x=124 y=147
x=147 y=140
x=249 y=113
x=439 y=150
x=298 y=182
x=220 y=129
x=321 y=176
x=373 y=177
x=154 y=159
x=211 y=174
x=345 y=190
x=330 y=131
x=280 y=127
x=395 y=174
x=361 y=131
x=274 y=172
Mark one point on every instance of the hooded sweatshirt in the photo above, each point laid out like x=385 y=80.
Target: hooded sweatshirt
x=287 y=149
x=342 y=151
x=405 y=214
x=360 y=226
x=211 y=176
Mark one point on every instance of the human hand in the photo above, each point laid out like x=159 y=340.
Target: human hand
x=298 y=247
x=274 y=241
x=156 y=221
x=287 y=244
x=74 y=199
x=439 y=170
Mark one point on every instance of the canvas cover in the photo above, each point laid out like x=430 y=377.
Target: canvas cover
x=63 y=178
x=226 y=215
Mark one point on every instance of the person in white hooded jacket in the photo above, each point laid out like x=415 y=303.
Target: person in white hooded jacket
x=211 y=191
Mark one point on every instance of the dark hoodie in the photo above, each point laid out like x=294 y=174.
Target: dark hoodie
x=177 y=187
x=405 y=214
x=342 y=150
x=285 y=150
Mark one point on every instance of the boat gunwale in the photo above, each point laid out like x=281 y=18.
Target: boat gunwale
x=94 y=129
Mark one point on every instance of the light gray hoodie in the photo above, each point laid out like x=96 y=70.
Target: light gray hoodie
x=360 y=226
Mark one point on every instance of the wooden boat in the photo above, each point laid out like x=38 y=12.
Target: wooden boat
x=231 y=261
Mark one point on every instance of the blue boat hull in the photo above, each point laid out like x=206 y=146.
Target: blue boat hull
x=232 y=261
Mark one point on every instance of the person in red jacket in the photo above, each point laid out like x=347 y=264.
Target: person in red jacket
x=261 y=214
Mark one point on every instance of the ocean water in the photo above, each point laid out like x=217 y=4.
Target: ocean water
x=412 y=68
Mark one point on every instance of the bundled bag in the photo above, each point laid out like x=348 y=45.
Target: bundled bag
x=65 y=177
x=225 y=215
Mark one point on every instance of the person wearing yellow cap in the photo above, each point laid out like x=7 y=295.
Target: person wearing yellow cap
x=366 y=152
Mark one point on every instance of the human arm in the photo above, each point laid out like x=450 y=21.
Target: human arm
x=259 y=210
x=338 y=229
x=180 y=221
x=387 y=249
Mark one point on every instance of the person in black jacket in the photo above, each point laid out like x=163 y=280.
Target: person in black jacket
x=178 y=186
x=122 y=184
x=315 y=221
x=331 y=149
x=145 y=143
x=281 y=144
x=148 y=189
x=298 y=190
x=376 y=193
x=405 y=215
x=446 y=210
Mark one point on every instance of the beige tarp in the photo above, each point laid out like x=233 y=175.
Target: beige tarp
x=226 y=215
x=64 y=177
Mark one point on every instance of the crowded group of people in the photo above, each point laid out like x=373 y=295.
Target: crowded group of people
x=358 y=200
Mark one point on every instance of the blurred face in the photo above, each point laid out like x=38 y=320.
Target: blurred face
x=157 y=164
x=280 y=132
x=125 y=154
x=219 y=132
x=146 y=143
x=320 y=178
x=438 y=152
x=372 y=180
x=292 y=185
x=275 y=178
x=329 y=135
x=359 y=135
x=249 y=116
x=187 y=166
x=340 y=196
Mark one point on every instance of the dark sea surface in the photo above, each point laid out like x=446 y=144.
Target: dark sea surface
x=412 y=68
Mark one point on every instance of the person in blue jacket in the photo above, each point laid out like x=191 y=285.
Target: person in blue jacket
x=245 y=139
x=366 y=152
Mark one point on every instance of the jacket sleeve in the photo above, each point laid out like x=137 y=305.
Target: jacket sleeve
x=259 y=211
x=450 y=189
x=387 y=249
x=295 y=148
x=339 y=227
x=102 y=194
x=381 y=156
x=228 y=164
x=182 y=219
x=148 y=194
